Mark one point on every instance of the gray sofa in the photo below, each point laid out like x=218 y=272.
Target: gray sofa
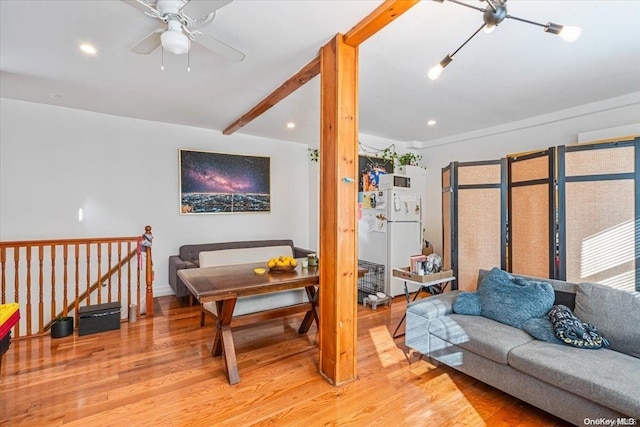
x=571 y=383
x=189 y=257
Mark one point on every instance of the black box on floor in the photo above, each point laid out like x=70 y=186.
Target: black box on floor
x=99 y=318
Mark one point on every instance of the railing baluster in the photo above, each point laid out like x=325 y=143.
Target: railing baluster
x=88 y=255
x=3 y=260
x=28 y=304
x=129 y=274
x=109 y=262
x=120 y=271
x=53 y=280
x=77 y=299
x=16 y=260
x=65 y=256
x=100 y=272
x=40 y=289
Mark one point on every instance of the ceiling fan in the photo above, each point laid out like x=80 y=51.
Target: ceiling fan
x=182 y=27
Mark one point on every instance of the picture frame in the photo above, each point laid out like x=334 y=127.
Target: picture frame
x=213 y=183
x=369 y=171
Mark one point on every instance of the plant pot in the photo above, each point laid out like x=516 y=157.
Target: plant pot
x=62 y=327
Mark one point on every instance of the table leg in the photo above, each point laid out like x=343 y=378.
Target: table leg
x=404 y=316
x=431 y=289
x=312 y=314
x=223 y=339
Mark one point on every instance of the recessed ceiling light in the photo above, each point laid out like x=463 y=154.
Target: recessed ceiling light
x=54 y=95
x=291 y=125
x=431 y=123
x=88 y=49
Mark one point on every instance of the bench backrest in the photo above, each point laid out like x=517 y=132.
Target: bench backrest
x=243 y=256
x=191 y=253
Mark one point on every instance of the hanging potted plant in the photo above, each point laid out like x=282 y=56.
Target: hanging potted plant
x=62 y=327
x=410 y=159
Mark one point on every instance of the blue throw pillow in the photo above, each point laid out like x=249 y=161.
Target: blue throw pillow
x=513 y=300
x=541 y=329
x=467 y=303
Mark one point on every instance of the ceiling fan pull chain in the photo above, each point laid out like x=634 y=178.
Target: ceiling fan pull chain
x=162 y=60
x=189 y=60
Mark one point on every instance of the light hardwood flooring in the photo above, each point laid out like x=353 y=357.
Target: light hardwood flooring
x=159 y=372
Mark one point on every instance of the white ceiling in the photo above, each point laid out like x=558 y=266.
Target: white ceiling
x=518 y=72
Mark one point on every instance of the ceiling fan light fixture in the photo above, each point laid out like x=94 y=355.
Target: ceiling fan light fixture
x=567 y=33
x=435 y=71
x=175 y=42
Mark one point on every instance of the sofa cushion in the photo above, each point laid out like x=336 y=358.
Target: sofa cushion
x=242 y=256
x=541 y=329
x=616 y=313
x=513 y=300
x=593 y=375
x=479 y=335
x=467 y=303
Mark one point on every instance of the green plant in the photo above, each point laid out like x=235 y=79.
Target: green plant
x=390 y=154
x=314 y=154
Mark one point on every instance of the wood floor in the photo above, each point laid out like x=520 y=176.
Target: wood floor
x=159 y=372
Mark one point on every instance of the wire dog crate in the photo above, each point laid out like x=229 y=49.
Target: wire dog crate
x=372 y=281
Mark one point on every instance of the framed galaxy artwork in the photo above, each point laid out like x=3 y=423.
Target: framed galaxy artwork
x=223 y=183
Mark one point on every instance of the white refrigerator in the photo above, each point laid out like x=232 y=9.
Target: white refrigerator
x=389 y=231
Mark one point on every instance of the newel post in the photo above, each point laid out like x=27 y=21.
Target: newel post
x=147 y=239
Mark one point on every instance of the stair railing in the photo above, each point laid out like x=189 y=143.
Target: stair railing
x=53 y=278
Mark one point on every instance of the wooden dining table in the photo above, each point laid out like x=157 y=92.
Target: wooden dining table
x=224 y=285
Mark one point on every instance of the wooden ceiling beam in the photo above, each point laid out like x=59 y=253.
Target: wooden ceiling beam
x=371 y=24
x=384 y=14
x=307 y=72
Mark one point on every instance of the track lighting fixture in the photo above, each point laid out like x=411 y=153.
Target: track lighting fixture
x=493 y=15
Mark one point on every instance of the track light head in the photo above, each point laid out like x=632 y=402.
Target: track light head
x=569 y=34
x=435 y=71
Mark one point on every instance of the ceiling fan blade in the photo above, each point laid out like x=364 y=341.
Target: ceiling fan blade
x=149 y=43
x=217 y=47
x=141 y=5
x=198 y=8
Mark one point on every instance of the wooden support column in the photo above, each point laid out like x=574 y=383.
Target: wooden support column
x=338 y=192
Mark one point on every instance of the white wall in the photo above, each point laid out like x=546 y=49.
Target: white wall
x=370 y=146
x=561 y=128
x=124 y=174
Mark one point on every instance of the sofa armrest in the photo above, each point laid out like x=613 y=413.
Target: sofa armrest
x=434 y=306
x=301 y=253
x=176 y=263
x=420 y=314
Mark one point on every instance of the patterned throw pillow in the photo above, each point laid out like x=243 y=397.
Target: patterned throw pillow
x=574 y=332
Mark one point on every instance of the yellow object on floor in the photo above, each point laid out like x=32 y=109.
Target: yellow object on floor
x=6 y=310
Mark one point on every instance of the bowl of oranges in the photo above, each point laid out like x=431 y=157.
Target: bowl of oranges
x=282 y=264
